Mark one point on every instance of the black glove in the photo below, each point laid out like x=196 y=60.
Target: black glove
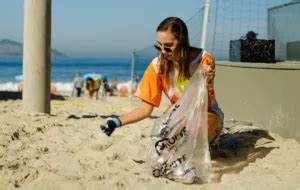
x=109 y=125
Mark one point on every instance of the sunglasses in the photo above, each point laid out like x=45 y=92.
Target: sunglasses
x=166 y=49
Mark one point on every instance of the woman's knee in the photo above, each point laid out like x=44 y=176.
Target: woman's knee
x=214 y=126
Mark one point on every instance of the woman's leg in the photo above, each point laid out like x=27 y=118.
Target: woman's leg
x=78 y=92
x=91 y=92
x=214 y=126
x=96 y=94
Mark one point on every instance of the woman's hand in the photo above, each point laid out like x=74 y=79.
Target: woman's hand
x=110 y=124
x=208 y=72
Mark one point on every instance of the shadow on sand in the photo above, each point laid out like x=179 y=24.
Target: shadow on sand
x=239 y=144
x=10 y=95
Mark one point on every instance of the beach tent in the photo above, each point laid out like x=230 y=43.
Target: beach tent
x=94 y=76
x=19 y=78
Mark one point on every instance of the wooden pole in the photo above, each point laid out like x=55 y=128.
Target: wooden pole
x=37 y=55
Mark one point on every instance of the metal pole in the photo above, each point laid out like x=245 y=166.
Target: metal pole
x=215 y=26
x=37 y=55
x=204 y=23
x=132 y=72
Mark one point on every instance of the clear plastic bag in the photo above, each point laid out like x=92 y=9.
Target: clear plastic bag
x=179 y=149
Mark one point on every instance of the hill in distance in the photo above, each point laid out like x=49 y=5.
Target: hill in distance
x=11 y=49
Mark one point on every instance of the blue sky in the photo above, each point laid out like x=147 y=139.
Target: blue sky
x=97 y=28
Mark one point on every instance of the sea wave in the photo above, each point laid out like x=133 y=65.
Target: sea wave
x=9 y=86
x=60 y=86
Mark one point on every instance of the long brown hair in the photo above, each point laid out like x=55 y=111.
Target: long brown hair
x=178 y=28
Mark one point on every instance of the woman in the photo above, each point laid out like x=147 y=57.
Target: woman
x=170 y=72
x=97 y=85
x=90 y=87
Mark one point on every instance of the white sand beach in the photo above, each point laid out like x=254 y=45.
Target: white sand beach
x=66 y=150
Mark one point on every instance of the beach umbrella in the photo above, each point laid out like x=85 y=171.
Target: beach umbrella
x=94 y=76
x=19 y=77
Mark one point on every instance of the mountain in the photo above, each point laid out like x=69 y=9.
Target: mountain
x=10 y=48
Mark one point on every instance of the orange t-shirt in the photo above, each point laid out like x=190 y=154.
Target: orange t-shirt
x=153 y=84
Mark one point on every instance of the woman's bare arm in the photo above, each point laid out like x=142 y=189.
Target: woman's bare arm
x=143 y=111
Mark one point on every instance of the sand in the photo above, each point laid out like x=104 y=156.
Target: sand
x=66 y=150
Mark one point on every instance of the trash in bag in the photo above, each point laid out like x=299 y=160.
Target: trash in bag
x=179 y=149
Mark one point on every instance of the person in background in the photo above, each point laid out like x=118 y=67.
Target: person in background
x=251 y=36
x=90 y=87
x=169 y=73
x=107 y=88
x=97 y=85
x=102 y=91
x=114 y=86
x=78 y=84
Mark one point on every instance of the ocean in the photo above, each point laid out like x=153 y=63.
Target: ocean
x=63 y=71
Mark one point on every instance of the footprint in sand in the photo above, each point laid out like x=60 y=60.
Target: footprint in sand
x=44 y=150
x=116 y=156
x=13 y=166
x=25 y=176
x=101 y=146
x=120 y=185
x=100 y=177
x=142 y=179
x=40 y=129
x=15 y=136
